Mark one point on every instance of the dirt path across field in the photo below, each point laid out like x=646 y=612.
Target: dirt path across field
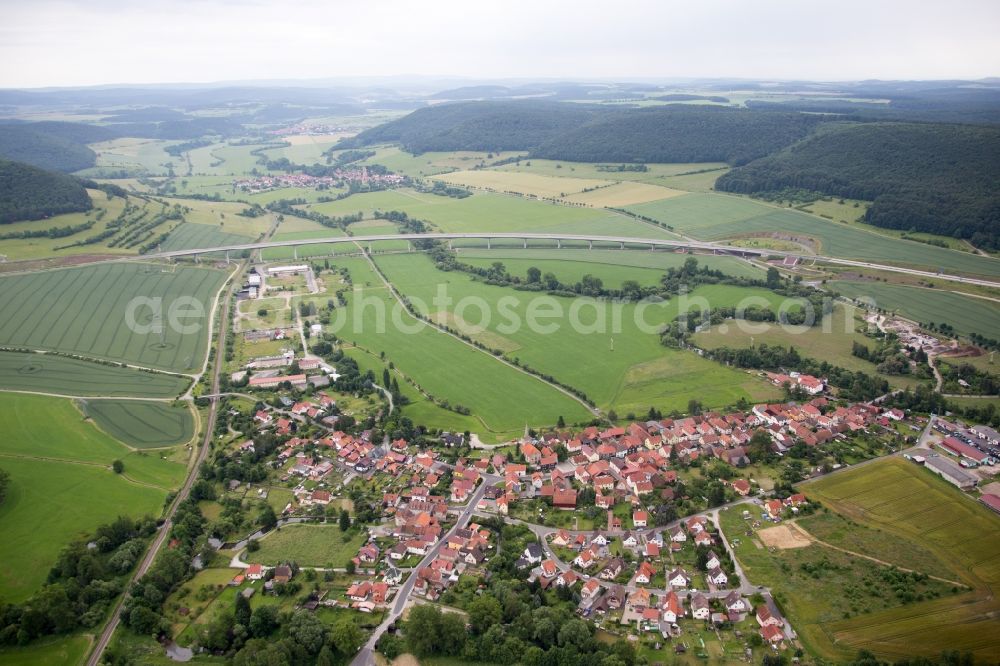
x=809 y=537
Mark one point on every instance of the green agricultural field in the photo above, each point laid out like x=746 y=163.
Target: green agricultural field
x=418 y=408
x=966 y=313
x=502 y=398
x=138 y=156
x=831 y=341
x=61 y=651
x=575 y=346
x=655 y=174
x=48 y=373
x=225 y=216
x=143 y=425
x=189 y=236
x=62 y=486
x=720 y=217
x=494 y=212
x=535 y=185
x=909 y=503
x=309 y=546
x=86 y=311
x=105 y=207
x=619 y=195
x=612 y=266
x=432 y=163
x=222 y=159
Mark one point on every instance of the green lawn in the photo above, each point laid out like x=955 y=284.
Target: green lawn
x=575 y=345
x=140 y=424
x=717 y=217
x=309 y=546
x=95 y=311
x=966 y=313
x=62 y=486
x=26 y=371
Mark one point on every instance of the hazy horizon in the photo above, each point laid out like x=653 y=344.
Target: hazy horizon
x=69 y=43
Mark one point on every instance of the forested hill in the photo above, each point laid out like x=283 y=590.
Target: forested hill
x=47 y=145
x=936 y=178
x=679 y=133
x=670 y=133
x=479 y=126
x=30 y=193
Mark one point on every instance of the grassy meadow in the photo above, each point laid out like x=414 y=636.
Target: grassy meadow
x=62 y=485
x=309 y=546
x=627 y=370
x=901 y=503
x=85 y=311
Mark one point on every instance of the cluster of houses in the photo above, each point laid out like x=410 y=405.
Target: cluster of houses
x=360 y=175
x=625 y=463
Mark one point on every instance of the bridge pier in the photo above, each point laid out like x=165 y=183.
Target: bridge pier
x=558 y=244
x=590 y=245
x=369 y=248
x=295 y=252
x=623 y=246
x=227 y=257
x=409 y=246
x=525 y=243
x=652 y=248
x=489 y=244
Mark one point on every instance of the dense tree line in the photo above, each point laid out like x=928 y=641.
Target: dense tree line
x=569 y=131
x=853 y=386
x=679 y=133
x=81 y=586
x=932 y=178
x=478 y=126
x=584 y=133
x=143 y=606
x=30 y=193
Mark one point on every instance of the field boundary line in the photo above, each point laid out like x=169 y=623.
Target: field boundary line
x=794 y=525
x=499 y=359
x=85 y=463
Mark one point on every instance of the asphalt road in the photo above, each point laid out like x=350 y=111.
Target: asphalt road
x=366 y=655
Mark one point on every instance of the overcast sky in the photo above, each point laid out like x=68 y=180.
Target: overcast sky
x=82 y=42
